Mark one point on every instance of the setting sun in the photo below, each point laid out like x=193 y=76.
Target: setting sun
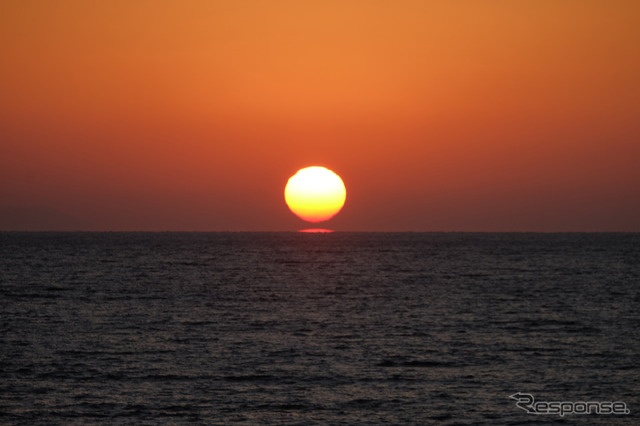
x=315 y=194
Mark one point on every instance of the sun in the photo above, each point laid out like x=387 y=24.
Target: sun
x=315 y=194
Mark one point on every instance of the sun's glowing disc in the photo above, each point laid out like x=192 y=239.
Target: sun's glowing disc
x=315 y=194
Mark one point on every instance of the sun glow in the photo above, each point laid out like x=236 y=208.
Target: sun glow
x=315 y=194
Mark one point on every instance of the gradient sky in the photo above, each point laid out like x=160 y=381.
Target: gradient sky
x=438 y=115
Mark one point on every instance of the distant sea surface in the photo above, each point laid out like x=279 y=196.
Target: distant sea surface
x=296 y=328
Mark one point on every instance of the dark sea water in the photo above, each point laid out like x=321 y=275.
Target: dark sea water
x=294 y=328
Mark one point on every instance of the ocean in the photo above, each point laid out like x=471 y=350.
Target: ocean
x=327 y=328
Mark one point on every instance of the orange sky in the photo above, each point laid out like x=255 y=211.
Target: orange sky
x=439 y=116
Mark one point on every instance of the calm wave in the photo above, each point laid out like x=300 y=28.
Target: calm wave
x=341 y=328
